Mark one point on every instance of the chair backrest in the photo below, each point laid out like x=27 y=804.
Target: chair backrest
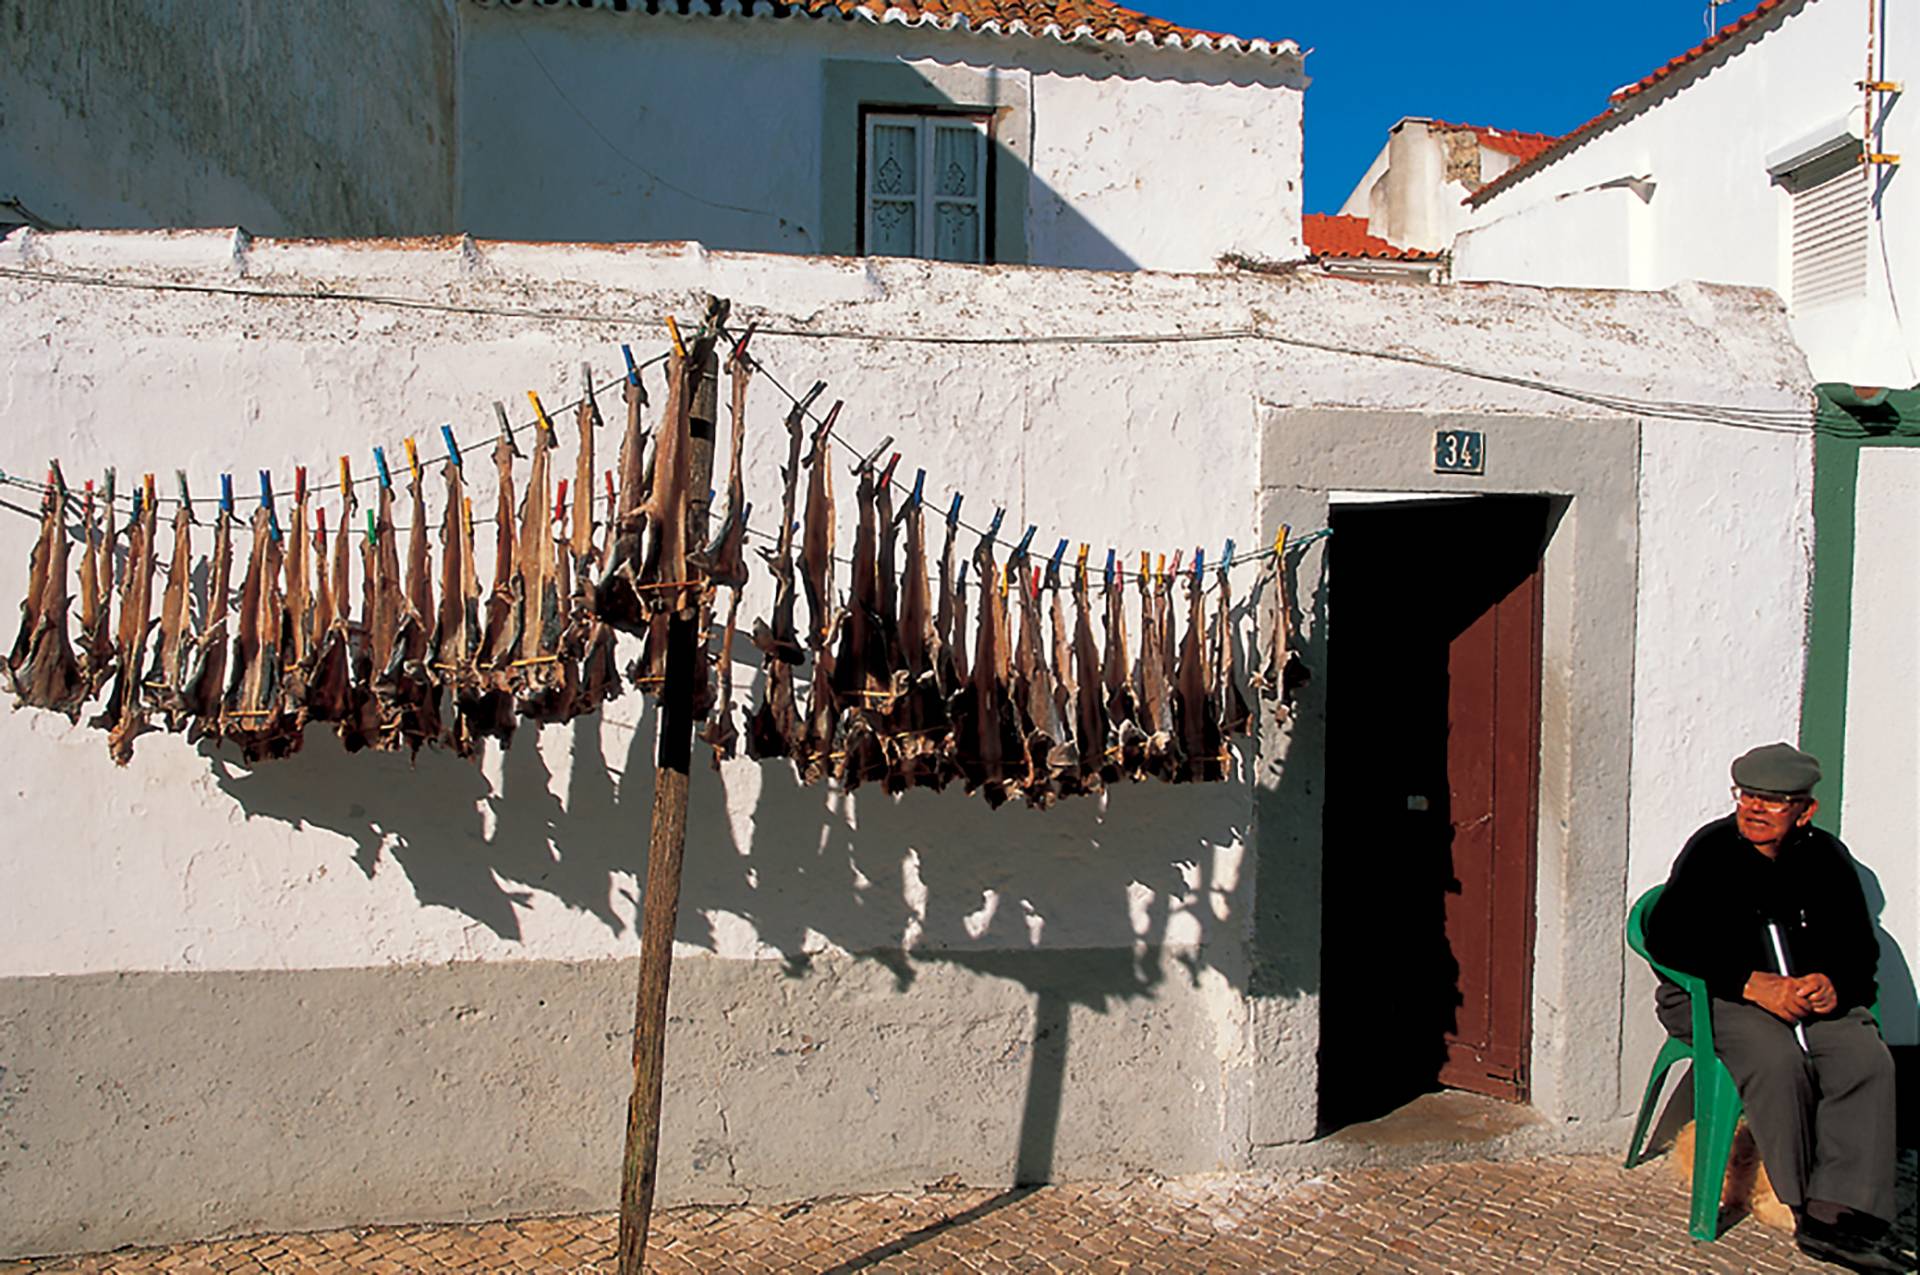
x=1637 y=940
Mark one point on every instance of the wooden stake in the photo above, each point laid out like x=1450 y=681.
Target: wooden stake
x=667 y=844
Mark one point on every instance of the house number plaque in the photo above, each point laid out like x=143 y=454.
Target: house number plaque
x=1459 y=451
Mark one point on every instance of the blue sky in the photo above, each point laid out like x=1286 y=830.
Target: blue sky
x=1541 y=68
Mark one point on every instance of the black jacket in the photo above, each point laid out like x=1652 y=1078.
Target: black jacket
x=1711 y=921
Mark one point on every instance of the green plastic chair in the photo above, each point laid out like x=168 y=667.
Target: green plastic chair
x=1716 y=1099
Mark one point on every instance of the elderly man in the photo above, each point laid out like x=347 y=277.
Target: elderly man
x=1769 y=912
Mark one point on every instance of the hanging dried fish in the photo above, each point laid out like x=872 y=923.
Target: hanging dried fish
x=258 y=716
x=949 y=620
x=774 y=729
x=166 y=680
x=1090 y=724
x=987 y=742
x=661 y=579
x=922 y=718
x=1193 y=705
x=414 y=687
x=1153 y=689
x=490 y=712
x=96 y=592
x=456 y=630
x=335 y=686
x=43 y=669
x=126 y=710
x=297 y=631
x=814 y=754
x=1044 y=730
x=1065 y=769
x=860 y=678
x=1281 y=672
x=204 y=693
x=1230 y=707
x=726 y=560
x=1126 y=740
x=540 y=676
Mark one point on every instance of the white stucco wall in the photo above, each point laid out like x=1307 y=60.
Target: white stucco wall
x=1703 y=139
x=596 y=125
x=1879 y=811
x=303 y=865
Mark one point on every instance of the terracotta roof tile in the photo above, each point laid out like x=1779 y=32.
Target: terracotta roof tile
x=1340 y=237
x=1063 y=20
x=1743 y=27
x=1522 y=146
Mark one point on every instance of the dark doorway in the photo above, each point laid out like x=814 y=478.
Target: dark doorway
x=1433 y=742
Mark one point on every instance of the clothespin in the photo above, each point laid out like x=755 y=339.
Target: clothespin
x=866 y=462
x=673 y=330
x=1280 y=540
x=506 y=426
x=136 y=504
x=1177 y=555
x=953 y=510
x=993 y=528
x=740 y=346
x=380 y=464
x=413 y=457
x=1053 y=566
x=346 y=478
x=807 y=400
x=633 y=369
x=1108 y=581
x=560 y=501
x=610 y=496
x=186 y=499
x=226 y=494
x=886 y=475
x=541 y=413
x=1080 y=565
x=1006 y=579
x=1199 y=564
x=466 y=513
x=1226 y=556
x=320 y=523
x=373 y=528
x=1025 y=540
x=586 y=383
x=453 y=448
x=146 y=485
x=919 y=485
x=1146 y=567
x=108 y=484
x=299 y=483
x=56 y=479
x=1037 y=573
x=266 y=503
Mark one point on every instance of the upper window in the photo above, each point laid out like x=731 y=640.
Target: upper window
x=924 y=191
x=1830 y=222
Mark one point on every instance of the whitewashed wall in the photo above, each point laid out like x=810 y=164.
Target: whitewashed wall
x=1712 y=212
x=398 y=951
x=1879 y=812
x=596 y=125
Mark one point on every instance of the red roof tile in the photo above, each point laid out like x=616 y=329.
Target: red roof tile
x=1620 y=98
x=1336 y=236
x=1522 y=146
x=1064 y=20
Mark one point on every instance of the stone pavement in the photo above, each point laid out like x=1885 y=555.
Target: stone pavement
x=1569 y=1213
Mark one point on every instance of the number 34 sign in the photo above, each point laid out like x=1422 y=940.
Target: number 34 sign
x=1459 y=451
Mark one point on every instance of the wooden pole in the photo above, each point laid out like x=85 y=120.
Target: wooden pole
x=666 y=846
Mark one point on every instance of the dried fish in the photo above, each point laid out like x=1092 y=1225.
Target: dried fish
x=726 y=563
x=204 y=692
x=1201 y=751
x=922 y=722
x=1126 y=740
x=813 y=754
x=987 y=742
x=127 y=708
x=96 y=592
x=1090 y=723
x=258 y=716
x=775 y=727
x=489 y=711
x=1229 y=705
x=166 y=680
x=43 y=669
x=540 y=676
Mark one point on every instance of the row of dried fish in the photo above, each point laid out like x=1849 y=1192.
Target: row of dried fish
x=900 y=689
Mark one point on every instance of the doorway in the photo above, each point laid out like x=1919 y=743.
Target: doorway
x=1433 y=742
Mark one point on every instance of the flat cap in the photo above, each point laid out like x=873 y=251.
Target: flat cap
x=1776 y=768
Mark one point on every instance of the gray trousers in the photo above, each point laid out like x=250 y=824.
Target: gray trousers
x=1823 y=1119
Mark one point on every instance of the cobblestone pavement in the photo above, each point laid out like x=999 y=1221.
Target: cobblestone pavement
x=1579 y=1213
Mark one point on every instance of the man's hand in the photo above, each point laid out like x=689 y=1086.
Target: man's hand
x=1784 y=998
x=1819 y=993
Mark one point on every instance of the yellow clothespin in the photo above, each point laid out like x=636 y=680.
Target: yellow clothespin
x=673 y=330
x=1080 y=564
x=1280 y=540
x=466 y=508
x=541 y=412
x=1160 y=571
x=1006 y=579
x=346 y=478
x=413 y=457
x=146 y=485
x=1146 y=568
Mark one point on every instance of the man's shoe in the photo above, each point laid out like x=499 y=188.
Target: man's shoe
x=1828 y=1243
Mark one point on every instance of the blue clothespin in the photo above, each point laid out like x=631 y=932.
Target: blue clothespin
x=266 y=503
x=226 y=494
x=919 y=485
x=953 y=511
x=1199 y=562
x=380 y=463
x=136 y=504
x=453 y=448
x=1226 y=556
x=1108 y=578
x=1053 y=566
x=1024 y=541
x=633 y=369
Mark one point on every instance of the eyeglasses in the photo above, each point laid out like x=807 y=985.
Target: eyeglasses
x=1771 y=805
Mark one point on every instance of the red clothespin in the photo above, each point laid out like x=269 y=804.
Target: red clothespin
x=320 y=523
x=609 y=493
x=1037 y=571
x=299 y=483
x=740 y=346
x=886 y=475
x=560 y=501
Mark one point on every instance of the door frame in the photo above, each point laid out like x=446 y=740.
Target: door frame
x=1313 y=458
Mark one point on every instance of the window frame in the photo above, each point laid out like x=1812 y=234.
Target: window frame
x=926 y=123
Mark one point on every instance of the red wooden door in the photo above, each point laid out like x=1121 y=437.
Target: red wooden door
x=1432 y=766
x=1493 y=749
